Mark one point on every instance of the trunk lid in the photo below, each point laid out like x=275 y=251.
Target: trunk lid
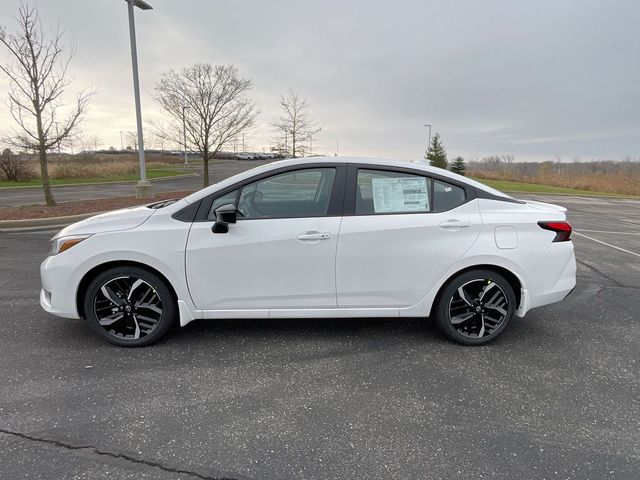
x=545 y=207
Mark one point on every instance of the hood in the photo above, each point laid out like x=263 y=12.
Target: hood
x=123 y=219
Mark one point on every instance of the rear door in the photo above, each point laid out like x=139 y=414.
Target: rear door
x=401 y=231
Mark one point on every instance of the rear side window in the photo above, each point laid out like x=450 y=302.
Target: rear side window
x=447 y=196
x=380 y=192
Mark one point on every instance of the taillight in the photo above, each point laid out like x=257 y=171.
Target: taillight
x=562 y=229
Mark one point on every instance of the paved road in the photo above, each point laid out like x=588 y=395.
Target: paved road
x=557 y=397
x=218 y=170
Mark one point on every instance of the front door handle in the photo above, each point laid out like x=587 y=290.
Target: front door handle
x=455 y=224
x=313 y=236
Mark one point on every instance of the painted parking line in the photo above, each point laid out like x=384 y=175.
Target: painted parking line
x=30 y=231
x=607 y=244
x=604 y=231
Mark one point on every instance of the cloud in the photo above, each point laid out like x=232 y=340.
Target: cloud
x=535 y=79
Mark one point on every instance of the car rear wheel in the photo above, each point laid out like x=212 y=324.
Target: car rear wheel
x=129 y=306
x=475 y=307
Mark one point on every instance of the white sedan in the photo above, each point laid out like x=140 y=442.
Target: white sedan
x=320 y=237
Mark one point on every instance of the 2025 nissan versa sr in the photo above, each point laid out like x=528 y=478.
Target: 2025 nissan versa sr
x=320 y=237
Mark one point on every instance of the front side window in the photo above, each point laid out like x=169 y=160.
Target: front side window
x=391 y=192
x=230 y=197
x=301 y=193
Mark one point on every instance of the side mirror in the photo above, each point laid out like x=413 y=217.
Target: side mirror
x=225 y=214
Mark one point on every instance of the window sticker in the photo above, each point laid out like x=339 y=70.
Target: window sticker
x=405 y=194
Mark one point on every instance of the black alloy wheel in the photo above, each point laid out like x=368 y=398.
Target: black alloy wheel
x=475 y=307
x=129 y=306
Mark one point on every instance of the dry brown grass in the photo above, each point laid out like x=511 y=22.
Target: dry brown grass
x=78 y=169
x=611 y=177
x=89 y=165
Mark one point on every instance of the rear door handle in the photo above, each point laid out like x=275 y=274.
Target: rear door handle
x=455 y=224
x=313 y=236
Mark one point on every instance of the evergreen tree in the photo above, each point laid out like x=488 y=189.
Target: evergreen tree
x=437 y=155
x=459 y=166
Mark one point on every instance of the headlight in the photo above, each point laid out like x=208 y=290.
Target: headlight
x=61 y=244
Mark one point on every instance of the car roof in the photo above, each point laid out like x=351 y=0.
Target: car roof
x=420 y=165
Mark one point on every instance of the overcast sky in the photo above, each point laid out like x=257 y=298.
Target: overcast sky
x=537 y=79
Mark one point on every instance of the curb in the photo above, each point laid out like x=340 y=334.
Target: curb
x=182 y=175
x=35 y=223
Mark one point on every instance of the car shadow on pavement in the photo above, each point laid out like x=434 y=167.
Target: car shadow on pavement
x=354 y=331
x=386 y=330
x=297 y=328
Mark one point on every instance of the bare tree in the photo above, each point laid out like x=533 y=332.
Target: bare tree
x=154 y=138
x=37 y=72
x=211 y=104
x=11 y=165
x=94 y=141
x=85 y=145
x=293 y=124
x=131 y=139
x=154 y=135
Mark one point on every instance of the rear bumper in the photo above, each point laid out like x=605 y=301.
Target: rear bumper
x=525 y=303
x=570 y=292
x=563 y=286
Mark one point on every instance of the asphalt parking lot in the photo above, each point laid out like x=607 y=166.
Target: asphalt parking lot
x=556 y=397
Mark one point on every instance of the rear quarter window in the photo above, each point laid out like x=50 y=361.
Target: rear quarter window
x=447 y=196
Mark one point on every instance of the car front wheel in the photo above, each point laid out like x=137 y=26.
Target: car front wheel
x=475 y=307
x=129 y=306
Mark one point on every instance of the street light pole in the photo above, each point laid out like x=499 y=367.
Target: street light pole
x=144 y=187
x=311 y=140
x=428 y=141
x=184 y=133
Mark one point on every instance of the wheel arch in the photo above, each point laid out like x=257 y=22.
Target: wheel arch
x=98 y=269
x=512 y=278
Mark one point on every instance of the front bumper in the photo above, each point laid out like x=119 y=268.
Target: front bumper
x=58 y=293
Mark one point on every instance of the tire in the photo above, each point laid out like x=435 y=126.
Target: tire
x=475 y=307
x=130 y=306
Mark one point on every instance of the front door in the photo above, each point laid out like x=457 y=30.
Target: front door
x=279 y=254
